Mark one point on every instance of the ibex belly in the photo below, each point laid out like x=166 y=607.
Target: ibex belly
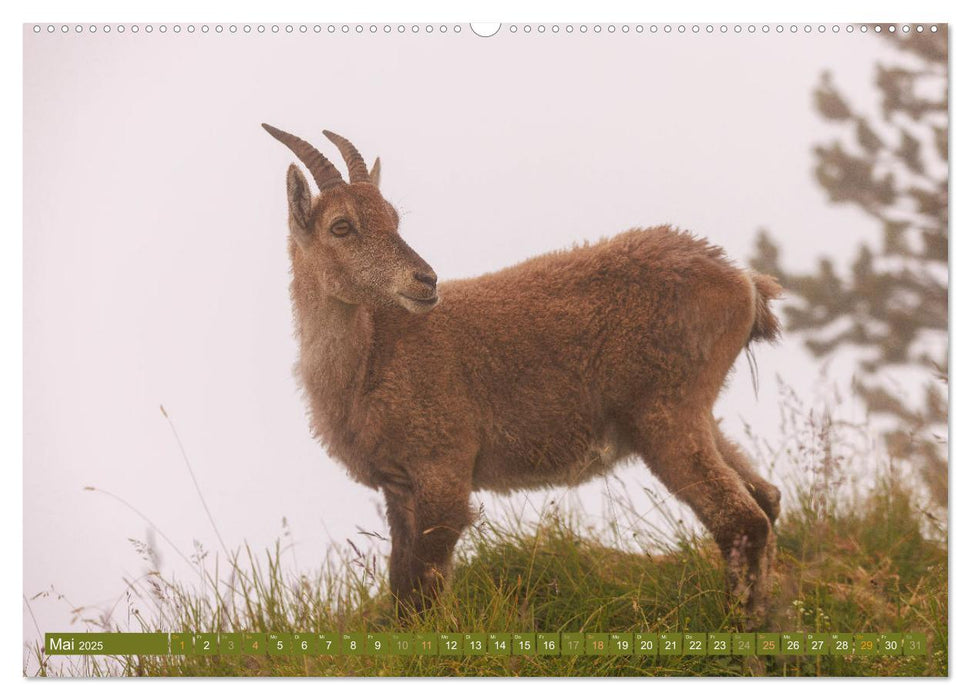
x=557 y=461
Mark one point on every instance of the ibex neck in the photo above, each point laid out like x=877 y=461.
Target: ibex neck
x=335 y=344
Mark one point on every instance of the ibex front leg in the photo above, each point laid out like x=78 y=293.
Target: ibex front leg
x=426 y=521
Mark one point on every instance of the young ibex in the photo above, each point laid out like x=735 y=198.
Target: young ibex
x=546 y=373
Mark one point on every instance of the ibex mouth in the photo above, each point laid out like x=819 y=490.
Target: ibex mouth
x=417 y=304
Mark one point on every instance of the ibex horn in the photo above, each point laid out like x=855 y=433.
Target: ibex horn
x=356 y=167
x=322 y=170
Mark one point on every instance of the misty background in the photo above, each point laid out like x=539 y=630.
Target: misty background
x=155 y=266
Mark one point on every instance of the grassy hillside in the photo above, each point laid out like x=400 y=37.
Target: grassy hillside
x=865 y=564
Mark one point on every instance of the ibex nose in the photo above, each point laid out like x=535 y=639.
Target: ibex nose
x=429 y=278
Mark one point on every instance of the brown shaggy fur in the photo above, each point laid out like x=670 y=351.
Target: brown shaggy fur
x=546 y=373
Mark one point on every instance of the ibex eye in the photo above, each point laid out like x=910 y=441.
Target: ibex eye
x=341 y=228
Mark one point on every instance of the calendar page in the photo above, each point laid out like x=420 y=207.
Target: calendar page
x=412 y=348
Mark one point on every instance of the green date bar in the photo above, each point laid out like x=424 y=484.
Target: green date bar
x=494 y=644
x=108 y=643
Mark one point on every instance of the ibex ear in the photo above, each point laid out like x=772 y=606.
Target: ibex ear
x=375 y=173
x=299 y=199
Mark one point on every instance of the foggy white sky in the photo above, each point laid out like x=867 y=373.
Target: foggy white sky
x=155 y=268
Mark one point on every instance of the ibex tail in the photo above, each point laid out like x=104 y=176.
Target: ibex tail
x=766 y=326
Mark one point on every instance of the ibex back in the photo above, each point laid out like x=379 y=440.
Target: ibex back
x=545 y=373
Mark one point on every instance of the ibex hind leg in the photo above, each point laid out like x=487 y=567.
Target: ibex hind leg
x=765 y=493
x=683 y=454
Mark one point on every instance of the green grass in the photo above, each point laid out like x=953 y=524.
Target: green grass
x=856 y=553
x=866 y=567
